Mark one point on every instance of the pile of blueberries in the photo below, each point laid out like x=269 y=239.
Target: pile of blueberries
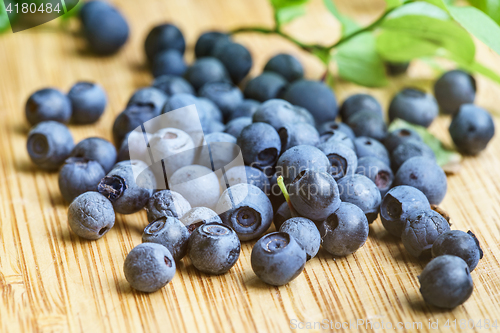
x=321 y=181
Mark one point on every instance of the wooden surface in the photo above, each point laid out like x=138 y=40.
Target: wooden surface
x=52 y=281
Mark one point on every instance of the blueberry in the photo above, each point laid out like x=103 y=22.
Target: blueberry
x=169 y=232
x=300 y=158
x=215 y=126
x=149 y=96
x=92 y=6
x=132 y=117
x=316 y=97
x=422 y=228
x=461 y=244
x=453 y=89
x=48 y=104
x=397 y=137
x=213 y=113
x=149 y=267
x=260 y=145
x=198 y=184
x=345 y=231
x=128 y=193
x=88 y=101
x=166 y=203
x=246 y=209
x=305 y=233
x=398 y=204
x=295 y=134
x=236 y=58
x=472 y=129
x=205 y=70
x=396 y=68
x=164 y=37
x=286 y=65
x=91 y=215
x=197 y=216
x=360 y=102
x=379 y=172
x=96 y=149
x=172 y=85
x=77 y=176
x=220 y=152
x=277 y=258
x=266 y=86
x=206 y=42
x=314 y=195
x=168 y=62
x=134 y=147
x=282 y=214
x=333 y=125
x=446 y=282
x=174 y=147
x=414 y=106
x=245 y=108
x=223 y=244
x=337 y=137
x=188 y=120
x=362 y=192
x=49 y=144
x=279 y=113
x=225 y=95
x=409 y=149
x=245 y=174
x=236 y=125
x=105 y=29
x=342 y=159
x=367 y=123
x=366 y=146
x=424 y=174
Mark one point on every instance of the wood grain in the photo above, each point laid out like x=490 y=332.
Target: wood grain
x=52 y=281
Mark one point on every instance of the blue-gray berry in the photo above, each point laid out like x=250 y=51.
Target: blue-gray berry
x=246 y=209
x=414 y=106
x=461 y=244
x=91 y=215
x=343 y=160
x=149 y=267
x=277 y=258
x=446 y=282
x=169 y=232
x=286 y=65
x=96 y=149
x=379 y=172
x=128 y=193
x=197 y=216
x=49 y=144
x=214 y=248
x=77 y=176
x=88 y=101
x=398 y=204
x=166 y=203
x=424 y=174
x=422 y=228
x=345 y=231
x=48 y=104
x=299 y=158
x=361 y=191
x=305 y=233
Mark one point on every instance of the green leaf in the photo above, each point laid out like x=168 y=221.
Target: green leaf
x=400 y=46
x=489 y=7
x=288 y=14
x=447 y=158
x=322 y=54
x=359 y=62
x=348 y=25
x=438 y=3
x=476 y=67
x=478 y=24
x=393 y=4
x=420 y=8
x=445 y=34
x=287 y=3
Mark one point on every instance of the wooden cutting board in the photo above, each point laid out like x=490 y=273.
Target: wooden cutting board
x=52 y=281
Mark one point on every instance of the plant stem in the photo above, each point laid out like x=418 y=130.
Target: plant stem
x=282 y=187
